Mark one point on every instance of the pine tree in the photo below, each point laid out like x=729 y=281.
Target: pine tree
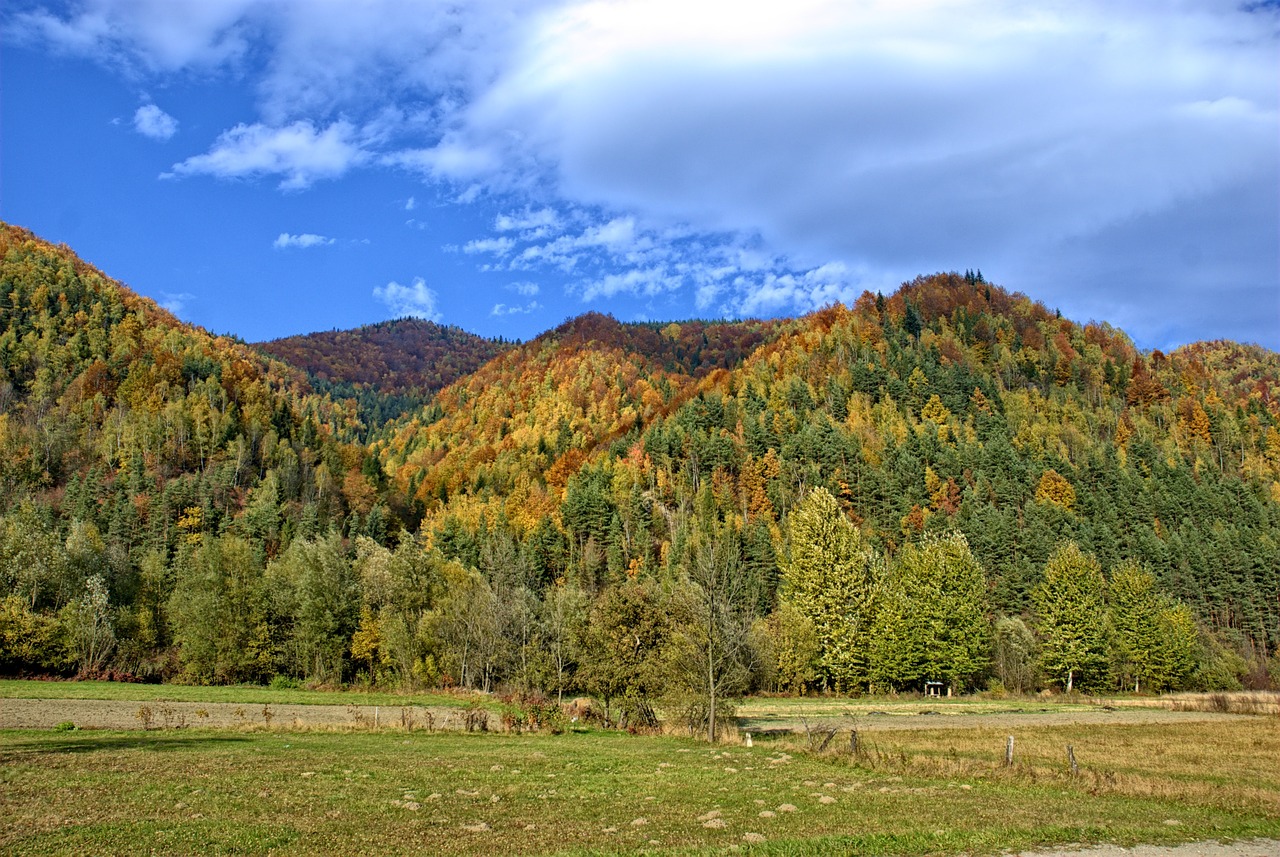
x=932 y=623
x=1154 y=637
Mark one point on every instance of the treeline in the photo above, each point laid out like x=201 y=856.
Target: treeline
x=845 y=618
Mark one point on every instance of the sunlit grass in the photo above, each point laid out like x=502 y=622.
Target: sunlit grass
x=189 y=791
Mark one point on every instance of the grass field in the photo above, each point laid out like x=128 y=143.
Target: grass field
x=921 y=792
x=242 y=694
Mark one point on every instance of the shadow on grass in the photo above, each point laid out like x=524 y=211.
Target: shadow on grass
x=26 y=745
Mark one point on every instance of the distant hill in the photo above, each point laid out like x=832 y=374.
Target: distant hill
x=404 y=355
x=390 y=367
x=951 y=404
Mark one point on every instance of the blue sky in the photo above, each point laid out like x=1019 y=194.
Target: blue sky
x=270 y=167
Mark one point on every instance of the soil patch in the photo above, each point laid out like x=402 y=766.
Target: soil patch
x=1003 y=720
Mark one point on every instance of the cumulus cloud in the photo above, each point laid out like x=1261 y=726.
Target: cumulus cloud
x=300 y=152
x=151 y=121
x=303 y=242
x=524 y=288
x=891 y=138
x=159 y=35
x=414 y=300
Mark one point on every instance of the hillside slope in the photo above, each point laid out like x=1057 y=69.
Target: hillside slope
x=952 y=404
x=138 y=431
x=509 y=437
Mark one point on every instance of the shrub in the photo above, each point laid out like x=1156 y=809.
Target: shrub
x=284 y=682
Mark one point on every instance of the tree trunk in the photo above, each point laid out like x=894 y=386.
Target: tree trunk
x=1071 y=680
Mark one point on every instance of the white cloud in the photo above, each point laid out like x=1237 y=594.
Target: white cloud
x=304 y=241
x=504 y=309
x=300 y=152
x=636 y=281
x=524 y=288
x=151 y=121
x=160 y=35
x=413 y=300
x=531 y=224
x=175 y=302
x=496 y=246
x=410 y=204
x=803 y=292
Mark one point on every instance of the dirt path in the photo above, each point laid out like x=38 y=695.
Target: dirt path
x=103 y=714
x=873 y=722
x=118 y=714
x=1251 y=848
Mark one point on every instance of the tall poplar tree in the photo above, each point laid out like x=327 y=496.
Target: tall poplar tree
x=1071 y=607
x=834 y=581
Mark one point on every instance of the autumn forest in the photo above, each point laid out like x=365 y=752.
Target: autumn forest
x=950 y=483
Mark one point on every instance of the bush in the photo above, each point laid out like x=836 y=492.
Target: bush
x=65 y=726
x=532 y=710
x=284 y=682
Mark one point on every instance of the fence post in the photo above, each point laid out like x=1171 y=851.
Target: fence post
x=1071 y=760
x=1008 y=752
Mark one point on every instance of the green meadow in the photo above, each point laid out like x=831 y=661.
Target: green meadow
x=904 y=793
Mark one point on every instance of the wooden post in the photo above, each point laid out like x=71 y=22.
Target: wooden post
x=375 y=717
x=1008 y=752
x=748 y=738
x=1071 y=760
x=853 y=741
x=827 y=740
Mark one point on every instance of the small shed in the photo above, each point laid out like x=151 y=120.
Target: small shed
x=934 y=688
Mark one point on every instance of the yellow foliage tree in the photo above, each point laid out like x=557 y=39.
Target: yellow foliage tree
x=1054 y=488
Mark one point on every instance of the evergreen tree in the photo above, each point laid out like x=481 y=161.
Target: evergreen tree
x=1154 y=637
x=932 y=623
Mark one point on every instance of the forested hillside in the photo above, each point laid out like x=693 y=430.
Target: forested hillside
x=126 y=437
x=505 y=441
x=389 y=368
x=950 y=483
